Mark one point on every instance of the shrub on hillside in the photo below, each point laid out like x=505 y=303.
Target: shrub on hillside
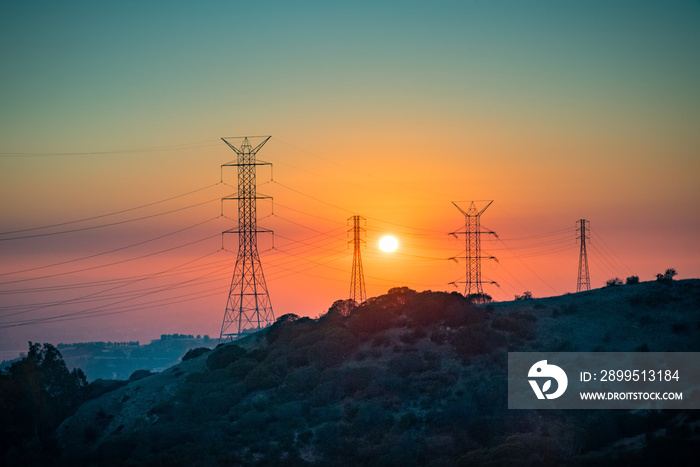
x=520 y=325
x=427 y=308
x=140 y=374
x=527 y=295
x=407 y=364
x=667 y=276
x=632 y=280
x=342 y=308
x=223 y=356
x=465 y=315
x=479 y=298
x=680 y=328
x=266 y=375
x=333 y=347
x=614 y=282
x=194 y=353
x=103 y=386
x=301 y=380
x=476 y=340
x=370 y=318
x=273 y=331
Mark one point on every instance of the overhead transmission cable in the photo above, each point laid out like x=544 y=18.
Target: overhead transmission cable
x=176 y=147
x=111 y=224
x=75 y=260
x=114 y=213
x=111 y=264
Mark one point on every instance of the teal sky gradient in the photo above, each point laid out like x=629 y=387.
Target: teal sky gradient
x=155 y=69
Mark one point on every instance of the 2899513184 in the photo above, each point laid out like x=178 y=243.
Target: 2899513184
x=639 y=375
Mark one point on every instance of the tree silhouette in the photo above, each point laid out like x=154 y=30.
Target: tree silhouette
x=37 y=393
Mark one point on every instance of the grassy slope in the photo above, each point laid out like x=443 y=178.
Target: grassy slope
x=409 y=379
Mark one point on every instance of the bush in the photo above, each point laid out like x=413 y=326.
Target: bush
x=632 y=280
x=265 y=375
x=527 y=295
x=614 y=282
x=334 y=346
x=480 y=298
x=667 y=276
x=342 y=307
x=368 y=320
x=680 y=328
x=194 y=353
x=476 y=340
x=408 y=364
x=102 y=386
x=140 y=374
x=520 y=325
x=223 y=356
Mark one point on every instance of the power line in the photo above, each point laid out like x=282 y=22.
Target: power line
x=528 y=267
x=98 y=293
x=111 y=224
x=195 y=145
x=114 y=213
x=100 y=283
x=111 y=264
x=611 y=251
x=85 y=312
x=75 y=260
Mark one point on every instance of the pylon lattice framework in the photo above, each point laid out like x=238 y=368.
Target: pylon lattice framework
x=584 y=278
x=472 y=232
x=248 y=307
x=357 y=281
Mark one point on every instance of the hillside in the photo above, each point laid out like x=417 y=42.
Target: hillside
x=406 y=379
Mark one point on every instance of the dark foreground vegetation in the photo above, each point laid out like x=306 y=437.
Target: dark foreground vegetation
x=36 y=394
x=406 y=378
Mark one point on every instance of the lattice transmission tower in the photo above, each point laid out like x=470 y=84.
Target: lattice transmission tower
x=358 y=294
x=472 y=232
x=584 y=279
x=248 y=308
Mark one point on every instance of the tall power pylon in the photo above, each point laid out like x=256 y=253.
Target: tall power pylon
x=248 y=308
x=472 y=232
x=584 y=279
x=357 y=281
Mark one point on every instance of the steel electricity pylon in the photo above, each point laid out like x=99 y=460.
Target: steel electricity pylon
x=248 y=308
x=584 y=279
x=472 y=232
x=358 y=294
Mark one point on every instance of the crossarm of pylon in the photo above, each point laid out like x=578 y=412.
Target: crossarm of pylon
x=230 y=198
x=254 y=150
x=236 y=164
x=473 y=215
x=454 y=234
x=256 y=231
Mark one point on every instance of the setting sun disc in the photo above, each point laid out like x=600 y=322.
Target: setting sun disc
x=388 y=244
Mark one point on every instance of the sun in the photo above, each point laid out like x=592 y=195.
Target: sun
x=388 y=244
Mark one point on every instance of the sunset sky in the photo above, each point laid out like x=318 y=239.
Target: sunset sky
x=113 y=112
